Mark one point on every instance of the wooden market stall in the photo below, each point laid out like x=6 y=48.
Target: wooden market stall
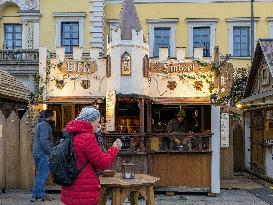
x=137 y=96
x=154 y=154
x=14 y=142
x=258 y=112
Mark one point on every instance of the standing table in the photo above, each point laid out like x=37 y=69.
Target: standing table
x=124 y=188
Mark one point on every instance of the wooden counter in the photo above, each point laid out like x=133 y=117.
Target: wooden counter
x=183 y=169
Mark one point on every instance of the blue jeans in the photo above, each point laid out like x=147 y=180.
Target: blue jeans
x=42 y=172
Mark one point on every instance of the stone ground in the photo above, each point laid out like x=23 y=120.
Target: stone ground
x=234 y=197
x=242 y=190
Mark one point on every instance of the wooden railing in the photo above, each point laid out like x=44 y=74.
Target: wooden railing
x=19 y=56
x=130 y=142
x=182 y=142
x=162 y=142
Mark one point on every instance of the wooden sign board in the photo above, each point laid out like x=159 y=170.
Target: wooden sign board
x=225 y=130
x=79 y=66
x=226 y=80
x=110 y=110
x=177 y=68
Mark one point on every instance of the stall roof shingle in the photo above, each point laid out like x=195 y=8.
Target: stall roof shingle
x=264 y=48
x=11 y=88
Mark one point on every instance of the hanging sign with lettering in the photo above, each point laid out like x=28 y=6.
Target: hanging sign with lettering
x=79 y=66
x=225 y=130
x=226 y=80
x=177 y=68
x=110 y=110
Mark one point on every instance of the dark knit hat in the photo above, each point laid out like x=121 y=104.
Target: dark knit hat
x=181 y=113
x=46 y=114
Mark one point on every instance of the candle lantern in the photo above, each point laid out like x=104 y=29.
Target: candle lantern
x=128 y=170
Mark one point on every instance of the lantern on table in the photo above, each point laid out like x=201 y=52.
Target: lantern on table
x=128 y=170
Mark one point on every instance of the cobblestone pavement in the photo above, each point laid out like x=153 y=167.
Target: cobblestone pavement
x=226 y=197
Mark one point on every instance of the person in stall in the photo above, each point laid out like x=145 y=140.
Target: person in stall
x=177 y=125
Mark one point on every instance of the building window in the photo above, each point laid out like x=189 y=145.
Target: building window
x=112 y=26
x=270 y=26
x=69 y=29
x=162 y=34
x=201 y=34
x=201 y=39
x=13 y=36
x=241 y=41
x=161 y=39
x=239 y=36
x=70 y=36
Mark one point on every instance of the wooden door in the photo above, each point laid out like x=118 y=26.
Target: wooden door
x=256 y=142
x=238 y=148
x=68 y=114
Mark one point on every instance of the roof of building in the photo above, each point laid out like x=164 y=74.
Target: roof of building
x=128 y=19
x=264 y=48
x=11 y=88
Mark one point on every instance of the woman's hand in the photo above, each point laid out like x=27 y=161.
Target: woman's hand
x=117 y=144
x=177 y=141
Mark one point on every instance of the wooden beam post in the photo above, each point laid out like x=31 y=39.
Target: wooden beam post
x=202 y=118
x=2 y=152
x=215 y=147
x=150 y=195
x=142 y=114
x=149 y=116
x=12 y=152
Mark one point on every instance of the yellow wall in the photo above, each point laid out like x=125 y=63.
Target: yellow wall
x=9 y=15
x=149 y=11
x=200 y=10
x=47 y=22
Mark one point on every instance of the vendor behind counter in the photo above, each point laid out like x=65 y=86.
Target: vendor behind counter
x=178 y=124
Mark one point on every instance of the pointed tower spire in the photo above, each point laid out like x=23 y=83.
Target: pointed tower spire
x=128 y=19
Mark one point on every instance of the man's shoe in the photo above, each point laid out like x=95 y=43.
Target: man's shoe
x=33 y=199
x=47 y=198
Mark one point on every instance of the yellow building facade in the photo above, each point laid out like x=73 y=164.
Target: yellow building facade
x=183 y=22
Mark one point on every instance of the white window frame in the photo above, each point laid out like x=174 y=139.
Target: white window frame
x=68 y=17
x=270 y=26
x=195 y=23
x=112 y=25
x=238 y=22
x=162 y=23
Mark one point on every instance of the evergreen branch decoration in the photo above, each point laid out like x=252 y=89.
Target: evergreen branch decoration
x=39 y=90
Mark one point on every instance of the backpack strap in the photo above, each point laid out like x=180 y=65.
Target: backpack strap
x=85 y=164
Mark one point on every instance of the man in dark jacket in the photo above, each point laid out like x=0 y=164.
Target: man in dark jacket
x=42 y=146
x=177 y=125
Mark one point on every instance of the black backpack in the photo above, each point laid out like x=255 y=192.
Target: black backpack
x=62 y=161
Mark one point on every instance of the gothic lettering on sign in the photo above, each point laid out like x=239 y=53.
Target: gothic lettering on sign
x=157 y=67
x=79 y=66
x=110 y=110
x=226 y=80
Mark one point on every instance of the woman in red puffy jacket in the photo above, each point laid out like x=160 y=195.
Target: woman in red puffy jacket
x=86 y=188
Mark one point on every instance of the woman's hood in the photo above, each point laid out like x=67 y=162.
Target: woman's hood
x=78 y=126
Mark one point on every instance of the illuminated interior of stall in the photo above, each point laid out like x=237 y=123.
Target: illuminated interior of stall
x=65 y=112
x=127 y=116
x=197 y=117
